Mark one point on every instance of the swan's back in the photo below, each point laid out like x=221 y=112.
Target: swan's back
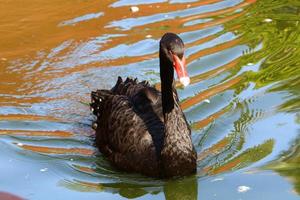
x=129 y=126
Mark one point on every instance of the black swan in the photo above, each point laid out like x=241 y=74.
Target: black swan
x=142 y=130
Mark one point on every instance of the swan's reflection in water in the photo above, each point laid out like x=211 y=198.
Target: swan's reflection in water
x=177 y=189
x=182 y=189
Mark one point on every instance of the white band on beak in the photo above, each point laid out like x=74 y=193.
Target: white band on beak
x=185 y=81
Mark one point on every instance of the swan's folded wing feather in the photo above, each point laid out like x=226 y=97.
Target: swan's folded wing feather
x=129 y=87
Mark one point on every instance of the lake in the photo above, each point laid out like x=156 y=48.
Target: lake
x=243 y=103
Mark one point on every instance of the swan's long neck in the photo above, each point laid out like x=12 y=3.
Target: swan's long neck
x=167 y=78
x=178 y=155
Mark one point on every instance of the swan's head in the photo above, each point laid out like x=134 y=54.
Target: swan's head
x=172 y=48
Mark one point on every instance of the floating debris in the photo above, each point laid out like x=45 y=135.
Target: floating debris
x=250 y=64
x=134 y=9
x=148 y=36
x=44 y=169
x=243 y=188
x=268 y=20
x=206 y=100
x=4 y=59
x=19 y=144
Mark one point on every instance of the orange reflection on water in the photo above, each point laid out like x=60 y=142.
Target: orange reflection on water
x=213 y=150
x=57 y=150
x=13 y=101
x=27 y=117
x=84 y=169
x=209 y=93
x=226 y=167
x=37 y=133
x=209 y=119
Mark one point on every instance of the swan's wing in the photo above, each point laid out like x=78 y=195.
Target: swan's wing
x=115 y=120
x=125 y=135
x=122 y=114
x=144 y=98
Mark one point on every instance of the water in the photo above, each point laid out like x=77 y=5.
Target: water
x=243 y=104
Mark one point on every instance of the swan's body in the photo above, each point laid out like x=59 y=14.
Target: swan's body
x=143 y=130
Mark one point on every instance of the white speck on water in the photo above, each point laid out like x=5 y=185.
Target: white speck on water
x=250 y=64
x=243 y=188
x=217 y=179
x=134 y=9
x=4 y=59
x=206 y=100
x=19 y=144
x=44 y=169
x=148 y=36
x=268 y=20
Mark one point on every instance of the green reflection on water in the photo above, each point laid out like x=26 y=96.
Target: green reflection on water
x=288 y=165
x=275 y=26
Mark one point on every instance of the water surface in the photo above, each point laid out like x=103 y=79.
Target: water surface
x=243 y=104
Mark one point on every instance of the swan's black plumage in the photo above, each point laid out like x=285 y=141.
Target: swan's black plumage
x=143 y=130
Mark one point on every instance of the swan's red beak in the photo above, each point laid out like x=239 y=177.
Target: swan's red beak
x=180 y=68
